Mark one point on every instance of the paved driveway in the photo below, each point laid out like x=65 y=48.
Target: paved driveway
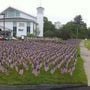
x=85 y=54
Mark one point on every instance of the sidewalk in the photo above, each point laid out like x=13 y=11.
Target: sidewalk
x=85 y=54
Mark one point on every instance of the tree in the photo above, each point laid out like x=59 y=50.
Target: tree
x=74 y=28
x=88 y=33
x=78 y=19
x=49 y=28
x=69 y=30
x=81 y=26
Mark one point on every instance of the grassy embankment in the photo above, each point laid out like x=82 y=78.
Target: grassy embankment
x=87 y=44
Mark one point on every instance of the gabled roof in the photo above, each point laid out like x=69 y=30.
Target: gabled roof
x=19 y=11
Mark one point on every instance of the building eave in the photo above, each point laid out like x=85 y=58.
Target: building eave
x=18 y=19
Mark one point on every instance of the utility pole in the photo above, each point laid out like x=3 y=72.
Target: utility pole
x=4 y=23
x=77 y=32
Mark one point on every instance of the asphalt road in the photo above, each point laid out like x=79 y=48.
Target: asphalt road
x=45 y=87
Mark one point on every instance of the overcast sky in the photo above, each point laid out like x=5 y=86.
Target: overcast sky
x=55 y=10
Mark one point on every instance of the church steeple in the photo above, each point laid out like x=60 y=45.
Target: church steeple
x=40 y=17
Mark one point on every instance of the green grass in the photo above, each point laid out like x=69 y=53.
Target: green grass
x=28 y=78
x=87 y=44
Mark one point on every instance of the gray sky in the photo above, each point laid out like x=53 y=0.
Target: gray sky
x=55 y=10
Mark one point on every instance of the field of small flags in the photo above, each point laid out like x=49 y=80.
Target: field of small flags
x=35 y=56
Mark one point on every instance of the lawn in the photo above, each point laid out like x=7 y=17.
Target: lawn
x=28 y=78
x=87 y=44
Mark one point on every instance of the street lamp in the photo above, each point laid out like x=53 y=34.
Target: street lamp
x=3 y=22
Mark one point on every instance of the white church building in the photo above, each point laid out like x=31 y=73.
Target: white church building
x=20 y=23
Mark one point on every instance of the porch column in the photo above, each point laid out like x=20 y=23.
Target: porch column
x=31 y=28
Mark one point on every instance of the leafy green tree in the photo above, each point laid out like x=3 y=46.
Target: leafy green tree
x=88 y=33
x=49 y=28
x=81 y=26
x=74 y=29
x=78 y=19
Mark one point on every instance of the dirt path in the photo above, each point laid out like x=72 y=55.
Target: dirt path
x=85 y=54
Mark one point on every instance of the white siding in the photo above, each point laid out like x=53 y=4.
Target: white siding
x=19 y=33
x=24 y=32
x=27 y=17
x=8 y=25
